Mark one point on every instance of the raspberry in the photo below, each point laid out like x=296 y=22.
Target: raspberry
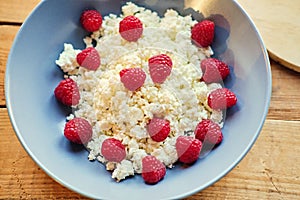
x=132 y=78
x=203 y=33
x=160 y=67
x=67 y=92
x=188 y=149
x=209 y=131
x=131 y=28
x=158 y=129
x=78 y=130
x=89 y=58
x=91 y=20
x=221 y=98
x=113 y=150
x=153 y=170
x=214 y=70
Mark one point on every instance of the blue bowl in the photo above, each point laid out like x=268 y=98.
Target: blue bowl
x=38 y=119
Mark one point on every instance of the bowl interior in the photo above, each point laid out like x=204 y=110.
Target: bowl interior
x=38 y=119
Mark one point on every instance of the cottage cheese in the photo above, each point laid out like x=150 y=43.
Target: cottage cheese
x=117 y=112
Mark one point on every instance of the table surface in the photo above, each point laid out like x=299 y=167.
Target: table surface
x=269 y=171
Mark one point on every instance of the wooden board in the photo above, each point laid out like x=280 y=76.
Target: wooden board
x=279 y=24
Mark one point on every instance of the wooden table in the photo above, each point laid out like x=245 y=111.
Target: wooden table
x=270 y=170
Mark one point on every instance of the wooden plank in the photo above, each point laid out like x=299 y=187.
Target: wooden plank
x=285 y=102
x=15 y=11
x=270 y=170
x=20 y=177
x=7 y=35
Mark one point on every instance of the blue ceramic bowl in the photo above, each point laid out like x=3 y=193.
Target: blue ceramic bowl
x=38 y=119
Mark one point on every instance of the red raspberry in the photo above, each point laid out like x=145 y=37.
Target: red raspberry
x=203 y=33
x=160 y=67
x=78 y=130
x=67 y=92
x=113 y=150
x=221 y=98
x=188 y=149
x=132 y=78
x=91 y=20
x=153 y=170
x=209 y=131
x=214 y=70
x=89 y=58
x=158 y=129
x=131 y=28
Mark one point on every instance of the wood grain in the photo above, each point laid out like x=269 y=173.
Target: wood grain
x=285 y=100
x=279 y=24
x=20 y=177
x=7 y=35
x=15 y=11
x=269 y=171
